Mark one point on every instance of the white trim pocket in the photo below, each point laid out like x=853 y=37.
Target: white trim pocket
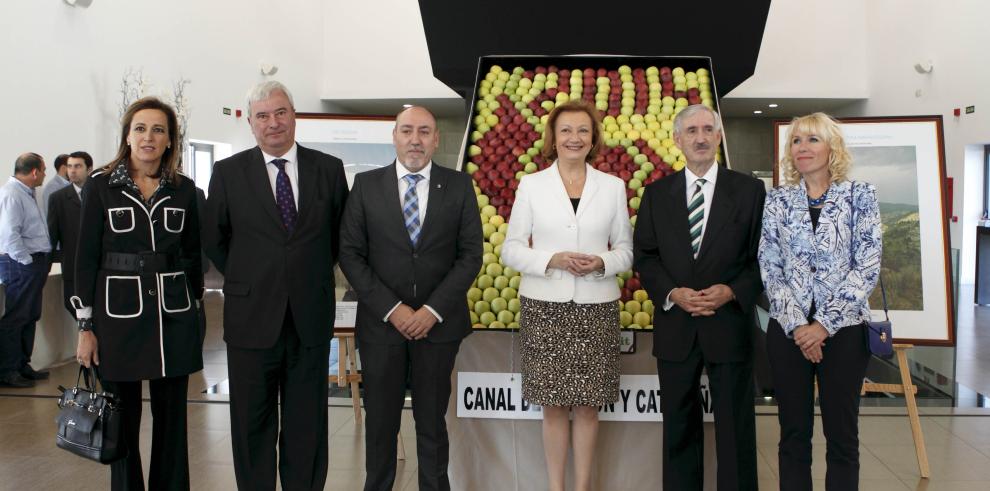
x=118 y=213
x=107 y=295
x=161 y=291
x=173 y=213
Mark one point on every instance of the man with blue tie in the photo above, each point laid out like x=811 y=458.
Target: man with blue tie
x=411 y=245
x=271 y=227
x=24 y=248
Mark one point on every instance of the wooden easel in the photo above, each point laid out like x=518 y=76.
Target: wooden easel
x=909 y=390
x=347 y=374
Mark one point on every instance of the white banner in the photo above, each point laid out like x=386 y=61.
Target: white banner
x=499 y=396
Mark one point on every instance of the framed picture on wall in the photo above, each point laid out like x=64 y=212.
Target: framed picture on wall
x=362 y=142
x=904 y=158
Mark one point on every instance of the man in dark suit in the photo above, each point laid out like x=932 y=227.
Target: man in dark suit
x=695 y=246
x=272 y=222
x=63 y=221
x=411 y=247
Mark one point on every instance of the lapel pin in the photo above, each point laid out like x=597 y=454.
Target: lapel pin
x=438 y=186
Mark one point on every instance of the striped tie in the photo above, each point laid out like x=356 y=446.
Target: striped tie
x=410 y=207
x=696 y=216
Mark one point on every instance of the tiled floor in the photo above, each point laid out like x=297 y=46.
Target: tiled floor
x=958 y=442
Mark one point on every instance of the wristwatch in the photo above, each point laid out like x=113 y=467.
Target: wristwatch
x=85 y=325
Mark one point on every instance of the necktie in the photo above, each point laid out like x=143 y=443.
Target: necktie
x=696 y=216
x=410 y=207
x=284 y=199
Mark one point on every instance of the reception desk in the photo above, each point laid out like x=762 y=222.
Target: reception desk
x=56 y=334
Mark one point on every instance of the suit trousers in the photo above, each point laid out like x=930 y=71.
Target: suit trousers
x=386 y=368
x=294 y=376
x=840 y=379
x=24 y=284
x=731 y=388
x=169 y=443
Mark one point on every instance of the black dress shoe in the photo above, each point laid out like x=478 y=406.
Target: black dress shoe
x=15 y=380
x=32 y=374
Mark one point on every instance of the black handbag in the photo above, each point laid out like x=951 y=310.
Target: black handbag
x=879 y=334
x=90 y=422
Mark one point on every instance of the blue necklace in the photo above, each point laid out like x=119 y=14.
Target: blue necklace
x=819 y=201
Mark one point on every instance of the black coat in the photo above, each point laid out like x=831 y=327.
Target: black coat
x=384 y=268
x=662 y=255
x=265 y=269
x=64 y=208
x=146 y=323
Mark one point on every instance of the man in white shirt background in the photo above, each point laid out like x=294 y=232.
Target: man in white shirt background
x=24 y=248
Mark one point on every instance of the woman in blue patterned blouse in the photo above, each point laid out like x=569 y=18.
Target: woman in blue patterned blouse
x=820 y=259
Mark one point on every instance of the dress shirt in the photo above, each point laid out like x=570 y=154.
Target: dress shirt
x=708 y=190
x=291 y=168
x=56 y=183
x=78 y=190
x=22 y=227
x=423 y=197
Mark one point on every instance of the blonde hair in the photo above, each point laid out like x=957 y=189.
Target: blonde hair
x=826 y=128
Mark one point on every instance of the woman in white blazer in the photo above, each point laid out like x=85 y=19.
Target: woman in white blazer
x=569 y=235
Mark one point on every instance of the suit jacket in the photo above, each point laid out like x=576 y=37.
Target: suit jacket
x=64 y=207
x=836 y=265
x=543 y=212
x=266 y=270
x=383 y=266
x=728 y=255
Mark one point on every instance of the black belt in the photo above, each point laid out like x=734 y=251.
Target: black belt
x=145 y=262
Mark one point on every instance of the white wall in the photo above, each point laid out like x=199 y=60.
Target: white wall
x=377 y=50
x=811 y=50
x=954 y=35
x=63 y=65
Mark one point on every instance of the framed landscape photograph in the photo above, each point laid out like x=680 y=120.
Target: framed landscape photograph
x=904 y=158
x=362 y=142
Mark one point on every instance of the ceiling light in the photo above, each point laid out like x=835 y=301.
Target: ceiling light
x=757 y=112
x=771 y=105
x=407 y=105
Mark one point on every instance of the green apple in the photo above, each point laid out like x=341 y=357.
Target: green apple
x=632 y=150
x=501 y=282
x=625 y=318
x=634 y=327
x=641 y=318
x=640 y=174
x=506 y=317
x=640 y=191
x=482 y=201
x=490 y=293
x=499 y=304
x=648 y=307
x=634 y=202
x=474 y=294
x=474 y=318
x=487 y=247
x=640 y=295
x=471 y=167
x=496 y=325
x=635 y=183
x=496 y=238
x=641 y=160
x=487 y=229
x=514 y=305
x=489 y=258
x=632 y=220
x=486 y=318
x=481 y=306
x=515 y=281
x=493 y=270
x=508 y=292
x=620 y=281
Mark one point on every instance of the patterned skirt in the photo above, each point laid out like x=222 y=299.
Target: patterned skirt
x=570 y=352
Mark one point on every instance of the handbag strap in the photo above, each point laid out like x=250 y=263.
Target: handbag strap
x=852 y=210
x=90 y=377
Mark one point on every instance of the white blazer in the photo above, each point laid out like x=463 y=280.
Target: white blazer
x=543 y=212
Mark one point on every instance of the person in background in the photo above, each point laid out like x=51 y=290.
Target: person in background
x=411 y=244
x=696 y=238
x=58 y=181
x=569 y=235
x=63 y=221
x=24 y=252
x=819 y=256
x=138 y=287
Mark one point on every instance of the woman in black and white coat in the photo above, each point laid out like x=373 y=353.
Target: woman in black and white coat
x=138 y=286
